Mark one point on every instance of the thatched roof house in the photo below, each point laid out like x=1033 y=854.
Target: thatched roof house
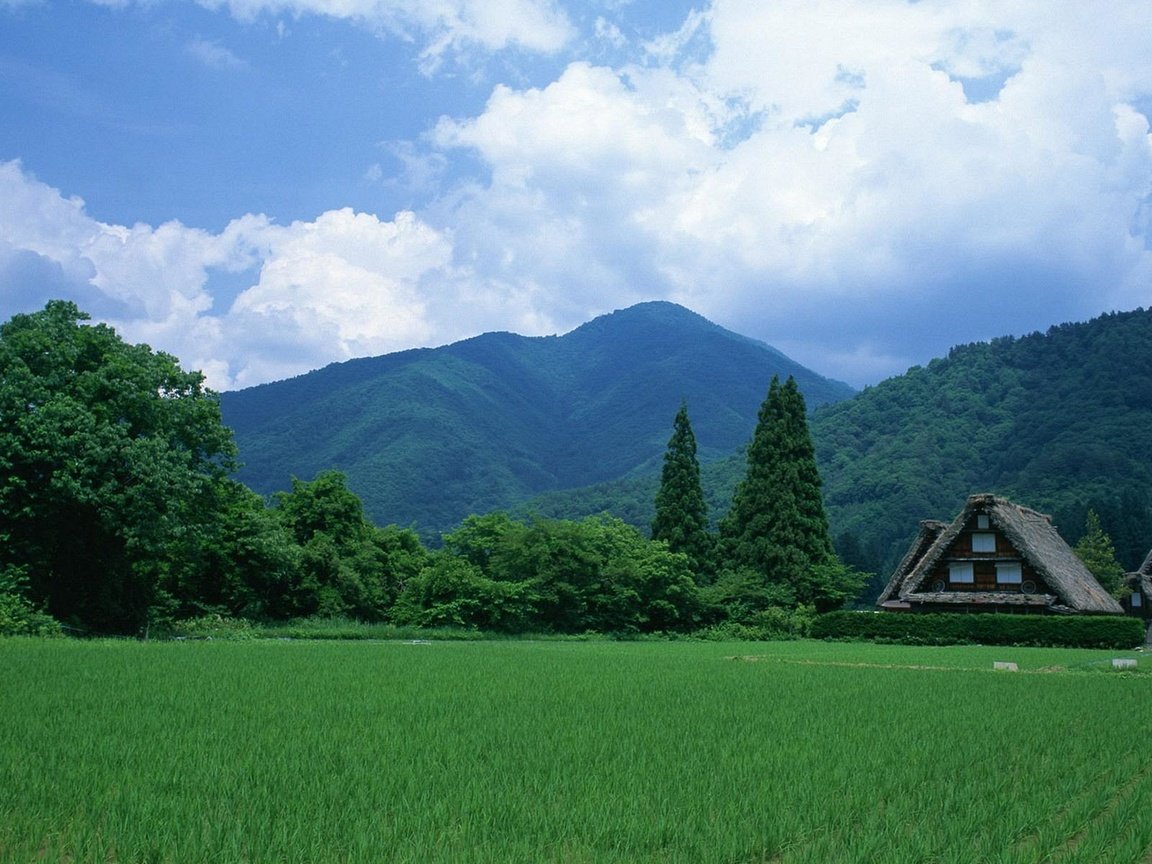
x=994 y=556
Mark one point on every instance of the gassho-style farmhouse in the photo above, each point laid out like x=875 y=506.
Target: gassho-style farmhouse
x=995 y=556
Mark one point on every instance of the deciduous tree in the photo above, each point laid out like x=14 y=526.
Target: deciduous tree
x=109 y=455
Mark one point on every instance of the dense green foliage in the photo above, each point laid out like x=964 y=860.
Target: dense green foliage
x=347 y=565
x=521 y=753
x=18 y=617
x=116 y=513
x=552 y=576
x=1073 y=631
x=428 y=437
x=110 y=460
x=681 y=518
x=117 y=517
x=1060 y=421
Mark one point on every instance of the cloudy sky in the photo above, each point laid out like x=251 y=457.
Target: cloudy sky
x=261 y=187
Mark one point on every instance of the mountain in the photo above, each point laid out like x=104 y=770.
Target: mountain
x=428 y=436
x=1060 y=421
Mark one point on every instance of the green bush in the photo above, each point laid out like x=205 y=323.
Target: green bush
x=18 y=617
x=767 y=625
x=213 y=627
x=1072 y=631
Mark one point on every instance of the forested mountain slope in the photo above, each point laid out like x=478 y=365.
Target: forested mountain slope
x=428 y=436
x=1060 y=421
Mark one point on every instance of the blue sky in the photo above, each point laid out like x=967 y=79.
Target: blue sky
x=261 y=187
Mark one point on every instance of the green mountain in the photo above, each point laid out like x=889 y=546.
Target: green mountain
x=430 y=435
x=1059 y=421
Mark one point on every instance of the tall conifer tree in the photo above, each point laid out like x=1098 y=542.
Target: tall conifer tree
x=681 y=511
x=776 y=526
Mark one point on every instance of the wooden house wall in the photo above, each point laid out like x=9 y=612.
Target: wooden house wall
x=1144 y=610
x=983 y=564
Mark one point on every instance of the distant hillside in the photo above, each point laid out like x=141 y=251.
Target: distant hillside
x=428 y=436
x=1060 y=421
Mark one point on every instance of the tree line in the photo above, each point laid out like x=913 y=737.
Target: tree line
x=119 y=514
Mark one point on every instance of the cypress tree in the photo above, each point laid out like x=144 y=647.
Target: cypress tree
x=681 y=511
x=776 y=526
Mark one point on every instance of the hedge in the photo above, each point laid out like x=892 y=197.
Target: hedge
x=1071 y=631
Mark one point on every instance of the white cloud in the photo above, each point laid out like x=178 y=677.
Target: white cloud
x=344 y=285
x=825 y=176
x=861 y=184
x=446 y=27
x=214 y=55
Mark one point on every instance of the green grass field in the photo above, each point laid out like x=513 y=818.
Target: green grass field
x=569 y=752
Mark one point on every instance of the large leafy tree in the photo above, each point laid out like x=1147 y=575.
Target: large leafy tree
x=776 y=529
x=553 y=575
x=681 y=512
x=110 y=458
x=347 y=566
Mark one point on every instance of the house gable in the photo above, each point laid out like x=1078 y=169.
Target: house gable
x=993 y=555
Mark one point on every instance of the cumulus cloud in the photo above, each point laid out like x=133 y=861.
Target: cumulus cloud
x=344 y=285
x=861 y=184
x=829 y=176
x=445 y=27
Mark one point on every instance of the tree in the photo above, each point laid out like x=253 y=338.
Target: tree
x=241 y=562
x=348 y=566
x=109 y=457
x=1095 y=550
x=556 y=575
x=681 y=512
x=776 y=526
x=454 y=592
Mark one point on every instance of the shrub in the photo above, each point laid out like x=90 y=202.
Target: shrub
x=18 y=617
x=1072 y=631
x=213 y=627
x=767 y=625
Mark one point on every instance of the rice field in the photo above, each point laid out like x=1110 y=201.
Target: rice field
x=569 y=752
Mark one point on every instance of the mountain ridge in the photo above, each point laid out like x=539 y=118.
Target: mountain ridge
x=429 y=435
x=1059 y=420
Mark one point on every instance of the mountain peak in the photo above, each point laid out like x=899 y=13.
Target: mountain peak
x=430 y=436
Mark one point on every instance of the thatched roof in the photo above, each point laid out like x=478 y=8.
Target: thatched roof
x=1146 y=567
x=1073 y=587
x=930 y=529
x=1142 y=578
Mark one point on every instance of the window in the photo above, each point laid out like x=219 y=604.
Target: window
x=960 y=571
x=1137 y=599
x=983 y=542
x=982 y=521
x=1008 y=573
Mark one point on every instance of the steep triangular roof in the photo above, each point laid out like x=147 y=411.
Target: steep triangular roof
x=1143 y=576
x=930 y=530
x=1032 y=535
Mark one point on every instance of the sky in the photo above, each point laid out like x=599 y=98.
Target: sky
x=263 y=187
